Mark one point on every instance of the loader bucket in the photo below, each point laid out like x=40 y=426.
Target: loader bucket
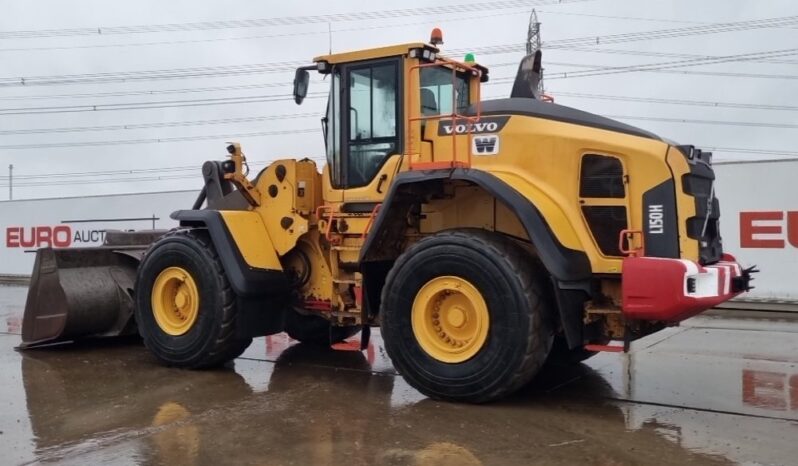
x=84 y=292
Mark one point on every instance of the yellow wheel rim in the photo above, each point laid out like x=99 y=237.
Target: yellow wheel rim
x=175 y=301
x=178 y=441
x=450 y=319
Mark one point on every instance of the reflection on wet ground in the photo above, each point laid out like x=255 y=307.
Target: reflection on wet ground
x=713 y=391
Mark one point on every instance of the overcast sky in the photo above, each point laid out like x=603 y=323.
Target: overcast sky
x=254 y=60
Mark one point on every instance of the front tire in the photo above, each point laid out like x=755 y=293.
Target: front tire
x=185 y=308
x=464 y=317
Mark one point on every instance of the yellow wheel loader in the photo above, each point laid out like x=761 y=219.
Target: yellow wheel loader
x=484 y=237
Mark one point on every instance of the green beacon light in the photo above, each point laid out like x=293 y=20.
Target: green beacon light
x=469 y=58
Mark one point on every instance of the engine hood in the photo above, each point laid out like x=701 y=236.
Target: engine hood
x=550 y=111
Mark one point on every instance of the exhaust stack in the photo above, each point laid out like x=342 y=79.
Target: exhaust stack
x=528 y=77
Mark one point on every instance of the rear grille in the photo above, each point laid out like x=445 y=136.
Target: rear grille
x=606 y=223
x=601 y=176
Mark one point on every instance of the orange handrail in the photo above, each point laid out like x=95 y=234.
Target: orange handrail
x=629 y=235
x=454 y=116
x=374 y=212
x=328 y=227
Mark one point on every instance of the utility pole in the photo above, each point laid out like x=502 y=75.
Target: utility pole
x=533 y=44
x=11 y=182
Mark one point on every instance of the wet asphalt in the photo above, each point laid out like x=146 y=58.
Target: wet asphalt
x=716 y=390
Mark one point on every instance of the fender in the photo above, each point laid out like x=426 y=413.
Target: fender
x=564 y=264
x=570 y=269
x=267 y=278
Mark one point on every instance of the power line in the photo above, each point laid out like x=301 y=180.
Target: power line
x=152 y=75
x=252 y=119
x=480 y=17
x=286 y=84
x=587 y=41
x=190 y=138
x=170 y=124
x=626 y=18
x=753 y=124
x=287 y=66
x=683 y=63
x=98 y=175
x=632 y=18
x=143 y=171
x=739 y=150
x=170 y=73
x=700 y=61
x=133 y=180
x=59 y=145
x=647 y=53
x=159 y=104
x=671 y=71
x=697 y=73
x=279 y=21
x=277 y=67
x=85 y=95
x=131 y=171
x=594 y=70
x=679 y=32
x=252 y=164
x=696 y=103
x=104 y=180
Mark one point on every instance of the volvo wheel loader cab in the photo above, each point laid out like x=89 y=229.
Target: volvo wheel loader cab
x=484 y=237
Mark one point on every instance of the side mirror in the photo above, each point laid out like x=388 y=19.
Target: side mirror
x=301 y=80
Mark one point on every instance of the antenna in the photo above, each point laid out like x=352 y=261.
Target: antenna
x=329 y=35
x=533 y=43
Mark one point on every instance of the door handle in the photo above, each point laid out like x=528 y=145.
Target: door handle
x=379 y=184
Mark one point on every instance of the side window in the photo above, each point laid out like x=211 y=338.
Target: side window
x=602 y=193
x=436 y=91
x=373 y=95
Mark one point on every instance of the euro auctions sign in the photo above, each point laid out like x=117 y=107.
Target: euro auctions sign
x=28 y=225
x=770 y=229
x=759 y=223
x=58 y=236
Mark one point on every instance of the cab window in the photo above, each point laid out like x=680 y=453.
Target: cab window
x=331 y=124
x=373 y=114
x=436 y=91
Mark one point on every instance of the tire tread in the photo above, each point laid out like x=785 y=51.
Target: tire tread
x=226 y=346
x=537 y=348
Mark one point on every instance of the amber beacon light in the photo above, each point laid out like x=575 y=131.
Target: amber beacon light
x=436 y=37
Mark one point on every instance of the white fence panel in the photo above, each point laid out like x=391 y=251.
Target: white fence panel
x=26 y=225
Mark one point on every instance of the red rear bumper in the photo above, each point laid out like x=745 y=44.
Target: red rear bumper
x=675 y=289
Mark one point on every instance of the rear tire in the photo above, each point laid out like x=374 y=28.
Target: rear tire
x=316 y=330
x=485 y=271
x=210 y=340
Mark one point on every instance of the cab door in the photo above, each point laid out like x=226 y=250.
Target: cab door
x=364 y=145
